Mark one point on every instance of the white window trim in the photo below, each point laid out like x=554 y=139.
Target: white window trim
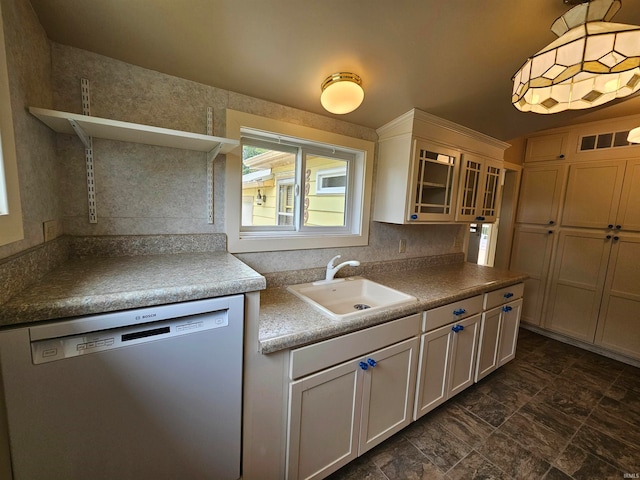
x=329 y=172
x=11 y=229
x=358 y=232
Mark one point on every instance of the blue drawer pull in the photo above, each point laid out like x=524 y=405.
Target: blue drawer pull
x=371 y=362
x=459 y=311
x=508 y=295
x=363 y=365
x=457 y=328
x=507 y=308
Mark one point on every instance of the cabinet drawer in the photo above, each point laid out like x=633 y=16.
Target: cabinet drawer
x=310 y=359
x=502 y=296
x=440 y=316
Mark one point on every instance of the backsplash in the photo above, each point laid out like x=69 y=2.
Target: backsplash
x=293 y=277
x=20 y=270
x=127 y=245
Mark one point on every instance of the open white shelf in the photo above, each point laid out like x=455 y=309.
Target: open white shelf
x=86 y=127
x=61 y=122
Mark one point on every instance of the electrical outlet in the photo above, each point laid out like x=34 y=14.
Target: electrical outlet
x=52 y=229
x=402 y=248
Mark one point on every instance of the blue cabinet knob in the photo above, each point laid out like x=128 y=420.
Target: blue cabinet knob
x=459 y=311
x=457 y=328
x=363 y=365
x=508 y=295
x=414 y=217
x=371 y=362
x=480 y=218
x=507 y=308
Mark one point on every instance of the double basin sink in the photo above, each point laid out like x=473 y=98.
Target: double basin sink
x=346 y=298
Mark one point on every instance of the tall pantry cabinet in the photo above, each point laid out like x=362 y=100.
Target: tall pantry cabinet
x=578 y=235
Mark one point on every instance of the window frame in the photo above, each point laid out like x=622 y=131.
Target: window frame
x=330 y=173
x=357 y=210
x=286 y=182
x=11 y=225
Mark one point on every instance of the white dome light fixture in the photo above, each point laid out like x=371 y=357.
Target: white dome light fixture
x=634 y=135
x=591 y=63
x=342 y=93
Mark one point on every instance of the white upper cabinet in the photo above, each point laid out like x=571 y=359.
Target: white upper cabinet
x=593 y=193
x=419 y=164
x=546 y=147
x=541 y=194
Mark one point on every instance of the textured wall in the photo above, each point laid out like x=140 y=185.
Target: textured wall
x=151 y=190
x=29 y=67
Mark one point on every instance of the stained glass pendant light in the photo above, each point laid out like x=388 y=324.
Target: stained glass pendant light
x=592 y=62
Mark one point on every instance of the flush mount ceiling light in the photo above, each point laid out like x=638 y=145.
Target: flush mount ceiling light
x=634 y=135
x=591 y=63
x=342 y=93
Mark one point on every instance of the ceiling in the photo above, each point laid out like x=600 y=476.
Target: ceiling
x=450 y=58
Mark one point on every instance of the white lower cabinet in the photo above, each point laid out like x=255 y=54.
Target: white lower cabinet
x=498 y=337
x=499 y=329
x=447 y=357
x=350 y=393
x=341 y=412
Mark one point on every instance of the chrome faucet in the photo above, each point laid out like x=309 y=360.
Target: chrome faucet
x=332 y=270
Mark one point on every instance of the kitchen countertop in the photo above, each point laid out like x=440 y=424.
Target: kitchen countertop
x=287 y=321
x=104 y=284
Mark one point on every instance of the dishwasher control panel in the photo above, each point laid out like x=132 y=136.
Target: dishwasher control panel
x=52 y=349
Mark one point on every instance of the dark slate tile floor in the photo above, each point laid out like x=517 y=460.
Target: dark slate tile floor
x=556 y=412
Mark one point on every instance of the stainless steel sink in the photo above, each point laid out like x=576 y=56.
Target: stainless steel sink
x=349 y=297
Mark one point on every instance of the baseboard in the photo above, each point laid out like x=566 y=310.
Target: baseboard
x=584 y=345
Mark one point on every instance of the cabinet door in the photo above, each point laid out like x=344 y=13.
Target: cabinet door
x=388 y=393
x=324 y=421
x=547 y=147
x=433 y=183
x=488 y=344
x=540 y=194
x=577 y=282
x=432 y=372
x=491 y=191
x=470 y=188
x=629 y=210
x=619 y=320
x=531 y=254
x=509 y=331
x=463 y=355
x=593 y=194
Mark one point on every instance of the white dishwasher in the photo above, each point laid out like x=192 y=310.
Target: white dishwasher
x=147 y=394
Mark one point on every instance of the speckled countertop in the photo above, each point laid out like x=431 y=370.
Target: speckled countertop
x=94 y=285
x=287 y=322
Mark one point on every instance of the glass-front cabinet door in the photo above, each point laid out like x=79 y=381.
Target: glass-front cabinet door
x=434 y=181
x=480 y=188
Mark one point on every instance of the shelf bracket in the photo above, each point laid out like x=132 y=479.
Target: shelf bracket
x=86 y=139
x=88 y=150
x=211 y=155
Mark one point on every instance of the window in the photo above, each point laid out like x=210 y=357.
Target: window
x=331 y=181
x=604 y=140
x=10 y=211
x=285 y=202
x=297 y=187
x=302 y=187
